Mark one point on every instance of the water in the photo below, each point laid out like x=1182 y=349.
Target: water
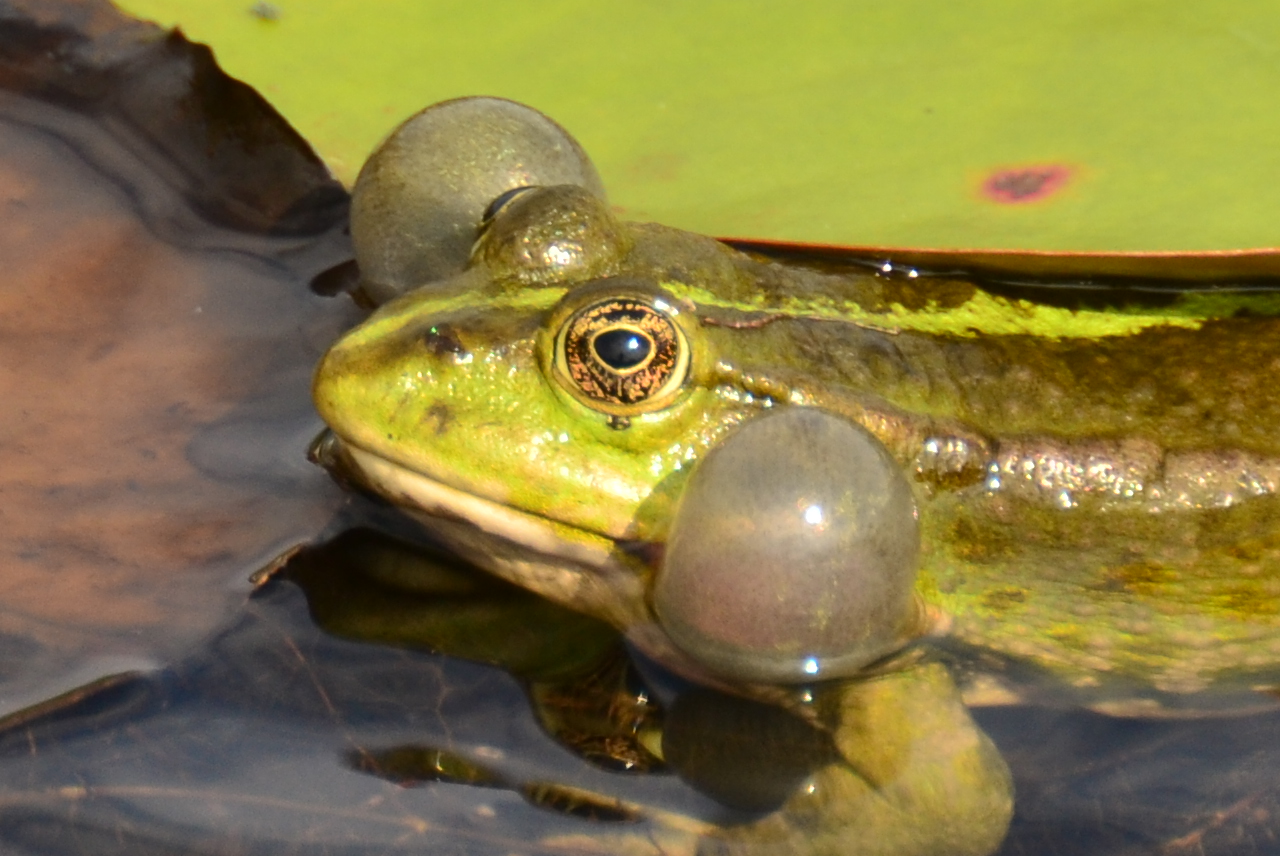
x=155 y=360
x=272 y=735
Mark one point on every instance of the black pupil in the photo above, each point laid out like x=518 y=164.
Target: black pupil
x=621 y=349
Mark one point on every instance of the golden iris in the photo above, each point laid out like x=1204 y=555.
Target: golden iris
x=623 y=355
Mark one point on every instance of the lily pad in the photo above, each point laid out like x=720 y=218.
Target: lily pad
x=1085 y=125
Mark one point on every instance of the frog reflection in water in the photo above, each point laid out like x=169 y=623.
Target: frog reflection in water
x=767 y=474
x=889 y=763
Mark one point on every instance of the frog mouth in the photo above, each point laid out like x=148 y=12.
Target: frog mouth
x=417 y=492
x=577 y=567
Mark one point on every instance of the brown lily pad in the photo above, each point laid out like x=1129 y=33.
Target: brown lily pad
x=154 y=360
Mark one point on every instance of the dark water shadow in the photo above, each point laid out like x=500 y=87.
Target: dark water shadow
x=243 y=748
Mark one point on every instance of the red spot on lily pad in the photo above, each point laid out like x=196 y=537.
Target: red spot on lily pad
x=1025 y=183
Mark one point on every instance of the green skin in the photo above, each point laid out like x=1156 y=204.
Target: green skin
x=1095 y=486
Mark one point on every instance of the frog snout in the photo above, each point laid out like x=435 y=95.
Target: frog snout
x=793 y=553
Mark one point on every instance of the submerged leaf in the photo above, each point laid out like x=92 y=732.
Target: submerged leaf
x=155 y=364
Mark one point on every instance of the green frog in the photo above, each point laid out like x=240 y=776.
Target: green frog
x=770 y=472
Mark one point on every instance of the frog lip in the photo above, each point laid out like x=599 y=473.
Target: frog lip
x=423 y=495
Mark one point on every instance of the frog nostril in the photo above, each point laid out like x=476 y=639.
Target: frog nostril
x=622 y=349
x=440 y=339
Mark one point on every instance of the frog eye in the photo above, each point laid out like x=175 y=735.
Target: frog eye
x=560 y=233
x=623 y=355
x=497 y=205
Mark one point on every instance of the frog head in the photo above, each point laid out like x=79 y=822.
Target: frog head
x=542 y=390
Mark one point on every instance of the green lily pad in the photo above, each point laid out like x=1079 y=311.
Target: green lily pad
x=1086 y=125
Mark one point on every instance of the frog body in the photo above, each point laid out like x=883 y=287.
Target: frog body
x=1093 y=488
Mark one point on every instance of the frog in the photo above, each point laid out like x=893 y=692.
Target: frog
x=770 y=471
